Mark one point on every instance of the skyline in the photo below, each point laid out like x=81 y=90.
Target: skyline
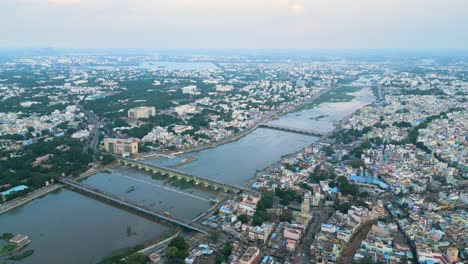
x=243 y=24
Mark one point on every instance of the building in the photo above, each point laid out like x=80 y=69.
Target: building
x=268 y=260
x=121 y=146
x=304 y=217
x=328 y=228
x=142 y=112
x=261 y=232
x=251 y=256
x=292 y=232
x=185 y=109
x=11 y=190
x=452 y=255
x=19 y=240
x=155 y=257
x=291 y=244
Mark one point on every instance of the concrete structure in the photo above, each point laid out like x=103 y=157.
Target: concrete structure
x=251 y=256
x=303 y=218
x=121 y=146
x=293 y=130
x=19 y=240
x=142 y=112
x=292 y=232
x=328 y=228
x=131 y=205
x=261 y=232
x=209 y=183
x=452 y=255
x=185 y=109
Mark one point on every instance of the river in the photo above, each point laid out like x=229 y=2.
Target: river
x=236 y=162
x=138 y=186
x=67 y=227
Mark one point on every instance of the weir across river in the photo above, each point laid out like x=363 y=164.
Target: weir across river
x=130 y=205
x=293 y=130
x=181 y=175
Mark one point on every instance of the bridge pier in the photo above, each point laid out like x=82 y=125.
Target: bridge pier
x=131 y=205
x=171 y=173
x=293 y=130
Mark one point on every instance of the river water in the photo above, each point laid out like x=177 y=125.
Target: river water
x=138 y=186
x=67 y=227
x=237 y=162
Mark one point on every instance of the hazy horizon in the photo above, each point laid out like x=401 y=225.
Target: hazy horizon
x=237 y=25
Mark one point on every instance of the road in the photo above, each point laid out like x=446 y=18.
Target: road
x=94 y=120
x=303 y=249
x=29 y=197
x=347 y=253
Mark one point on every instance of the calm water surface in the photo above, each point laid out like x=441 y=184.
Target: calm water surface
x=237 y=162
x=138 y=186
x=66 y=227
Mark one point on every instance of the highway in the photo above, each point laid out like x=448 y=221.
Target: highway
x=94 y=120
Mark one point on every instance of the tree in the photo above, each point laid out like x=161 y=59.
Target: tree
x=357 y=163
x=171 y=252
x=136 y=258
x=328 y=151
x=286 y=216
x=107 y=159
x=214 y=236
x=226 y=250
x=179 y=243
x=120 y=123
x=344 y=207
x=257 y=220
x=243 y=218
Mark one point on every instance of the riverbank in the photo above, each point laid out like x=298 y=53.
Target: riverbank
x=187 y=160
x=269 y=117
x=274 y=166
x=11 y=249
x=10 y=205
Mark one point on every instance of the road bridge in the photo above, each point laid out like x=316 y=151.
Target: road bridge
x=294 y=130
x=172 y=173
x=131 y=205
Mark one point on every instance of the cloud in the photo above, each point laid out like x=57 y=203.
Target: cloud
x=234 y=23
x=296 y=9
x=65 y=2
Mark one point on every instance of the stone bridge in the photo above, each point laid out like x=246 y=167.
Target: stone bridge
x=293 y=130
x=180 y=175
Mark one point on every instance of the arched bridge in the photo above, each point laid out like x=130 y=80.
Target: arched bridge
x=293 y=130
x=131 y=205
x=201 y=181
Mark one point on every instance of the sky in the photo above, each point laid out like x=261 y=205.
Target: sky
x=235 y=24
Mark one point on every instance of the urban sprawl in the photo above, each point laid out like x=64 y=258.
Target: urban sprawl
x=387 y=185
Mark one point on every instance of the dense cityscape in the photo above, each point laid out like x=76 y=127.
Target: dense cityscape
x=247 y=158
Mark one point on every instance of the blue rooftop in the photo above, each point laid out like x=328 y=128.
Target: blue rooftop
x=14 y=189
x=369 y=180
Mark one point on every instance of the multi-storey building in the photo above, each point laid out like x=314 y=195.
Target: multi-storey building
x=141 y=112
x=121 y=146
